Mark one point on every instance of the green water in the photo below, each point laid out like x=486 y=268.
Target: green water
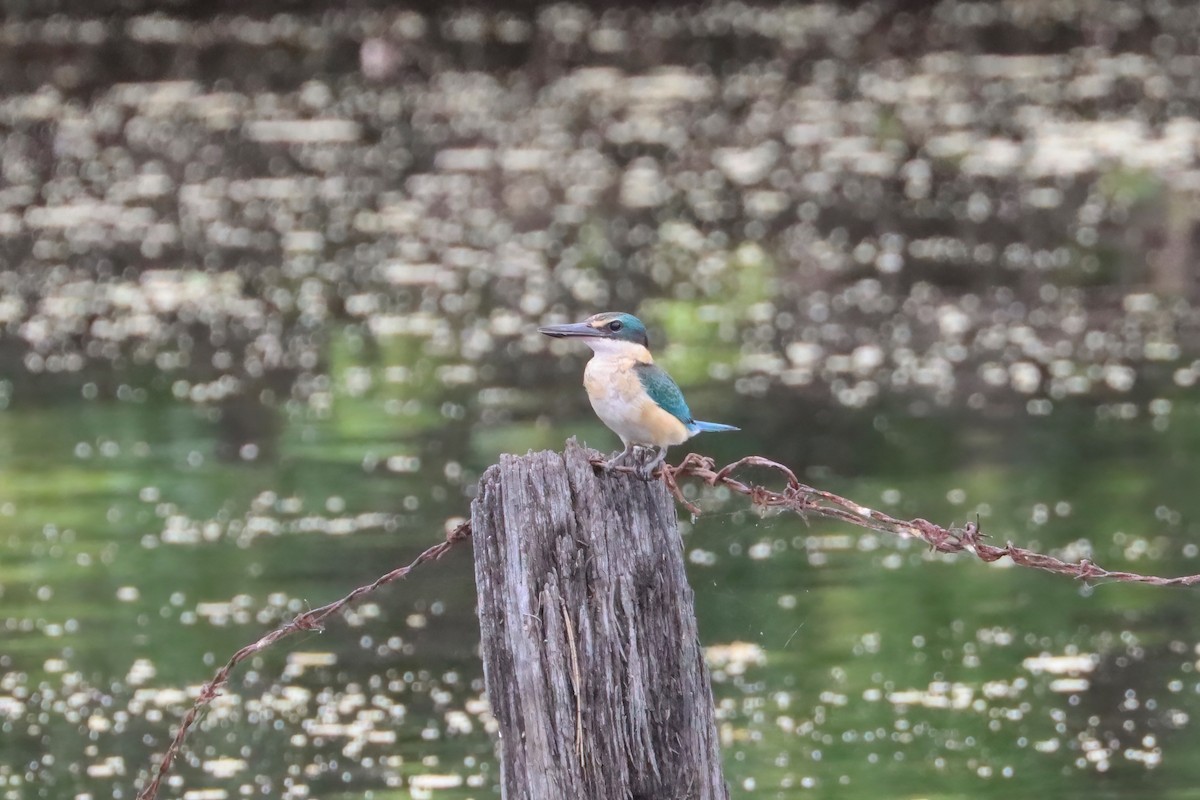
x=269 y=281
x=141 y=544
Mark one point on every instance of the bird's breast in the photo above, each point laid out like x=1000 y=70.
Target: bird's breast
x=621 y=403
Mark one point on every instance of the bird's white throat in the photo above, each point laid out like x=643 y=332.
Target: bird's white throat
x=616 y=348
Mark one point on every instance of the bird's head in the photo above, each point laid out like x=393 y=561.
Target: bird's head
x=602 y=331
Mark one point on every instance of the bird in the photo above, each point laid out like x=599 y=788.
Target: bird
x=631 y=394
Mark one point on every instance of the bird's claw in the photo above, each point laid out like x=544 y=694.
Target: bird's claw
x=647 y=470
x=615 y=460
x=644 y=471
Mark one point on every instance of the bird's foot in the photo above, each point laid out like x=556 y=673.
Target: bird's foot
x=615 y=460
x=647 y=470
x=644 y=471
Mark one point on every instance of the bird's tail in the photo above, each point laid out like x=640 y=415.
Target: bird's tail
x=711 y=427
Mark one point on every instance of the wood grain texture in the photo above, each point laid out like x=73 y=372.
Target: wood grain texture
x=590 y=651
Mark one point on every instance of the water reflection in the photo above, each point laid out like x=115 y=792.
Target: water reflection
x=141 y=550
x=268 y=311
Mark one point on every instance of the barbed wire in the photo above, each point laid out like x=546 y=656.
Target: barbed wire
x=795 y=496
x=308 y=621
x=807 y=500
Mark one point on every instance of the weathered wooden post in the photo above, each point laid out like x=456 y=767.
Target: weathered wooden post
x=589 y=642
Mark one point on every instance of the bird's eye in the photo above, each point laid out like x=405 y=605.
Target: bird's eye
x=615 y=325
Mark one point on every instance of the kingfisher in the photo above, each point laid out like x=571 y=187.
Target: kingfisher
x=631 y=394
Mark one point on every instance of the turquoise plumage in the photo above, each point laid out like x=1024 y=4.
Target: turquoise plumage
x=666 y=393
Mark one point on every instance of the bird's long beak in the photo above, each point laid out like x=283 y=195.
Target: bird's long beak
x=574 y=329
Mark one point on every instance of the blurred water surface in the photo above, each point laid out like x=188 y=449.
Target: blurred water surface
x=140 y=549
x=267 y=310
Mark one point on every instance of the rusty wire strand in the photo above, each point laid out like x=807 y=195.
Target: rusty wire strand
x=795 y=496
x=806 y=500
x=308 y=621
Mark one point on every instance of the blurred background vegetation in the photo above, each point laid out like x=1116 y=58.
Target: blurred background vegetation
x=270 y=275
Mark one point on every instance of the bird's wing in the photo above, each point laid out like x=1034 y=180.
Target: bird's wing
x=663 y=390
